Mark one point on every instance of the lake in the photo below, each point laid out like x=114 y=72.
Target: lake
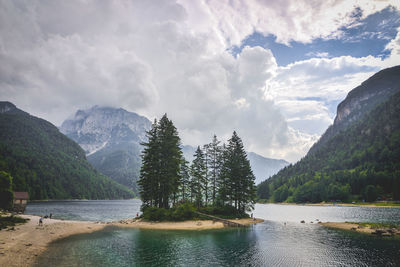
x=280 y=241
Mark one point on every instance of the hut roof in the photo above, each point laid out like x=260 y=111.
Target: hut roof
x=21 y=195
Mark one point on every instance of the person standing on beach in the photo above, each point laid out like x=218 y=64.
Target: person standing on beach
x=41 y=221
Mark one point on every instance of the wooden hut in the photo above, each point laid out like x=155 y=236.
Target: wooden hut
x=20 y=201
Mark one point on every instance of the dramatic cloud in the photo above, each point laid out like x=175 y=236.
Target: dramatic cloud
x=153 y=57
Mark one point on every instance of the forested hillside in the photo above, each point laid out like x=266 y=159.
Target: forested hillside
x=361 y=162
x=46 y=163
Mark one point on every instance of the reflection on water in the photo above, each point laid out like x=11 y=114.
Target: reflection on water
x=295 y=213
x=266 y=244
x=86 y=210
x=272 y=243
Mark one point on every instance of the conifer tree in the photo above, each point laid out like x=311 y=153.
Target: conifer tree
x=206 y=174
x=170 y=158
x=198 y=170
x=185 y=180
x=239 y=178
x=214 y=163
x=161 y=157
x=149 y=171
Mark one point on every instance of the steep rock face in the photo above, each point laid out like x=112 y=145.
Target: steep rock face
x=98 y=127
x=111 y=139
x=9 y=108
x=361 y=100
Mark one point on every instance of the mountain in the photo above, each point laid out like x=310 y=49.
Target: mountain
x=262 y=167
x=47 y=164
x=358 y=159
x=265 y=167
x=111 y=138
x=362 y=100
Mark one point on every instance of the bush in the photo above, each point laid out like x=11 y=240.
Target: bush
x=6 y=194
x=180 y=212
x=187 y=211
x=154 y=214
x=11 y=221
x=183 y=212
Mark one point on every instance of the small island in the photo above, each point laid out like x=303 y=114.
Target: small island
x=219 y=184
x=378 y=229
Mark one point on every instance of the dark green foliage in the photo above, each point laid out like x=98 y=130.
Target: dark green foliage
x=198 y=170
x=6 y=193
x=185 y=186
x=11 y=221
x=179 y=212
x=236 y=185
x=47 y=164
x=361 y=162
x=161 y=158
x=119 y=162
x=370 y=193
x=214 y=152
x=166 y=180
x=377 y=89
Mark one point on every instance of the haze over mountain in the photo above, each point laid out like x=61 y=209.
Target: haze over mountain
x=262 y=167
x=111 y=138
x=359 y=155
x=47 y=164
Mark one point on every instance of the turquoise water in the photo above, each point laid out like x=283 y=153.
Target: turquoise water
x=280 y=241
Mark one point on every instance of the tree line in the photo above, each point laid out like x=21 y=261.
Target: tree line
x=220 y=174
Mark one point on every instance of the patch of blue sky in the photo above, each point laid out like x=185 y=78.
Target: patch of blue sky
x=362 y=38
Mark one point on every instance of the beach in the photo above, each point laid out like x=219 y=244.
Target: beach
x=21 y=247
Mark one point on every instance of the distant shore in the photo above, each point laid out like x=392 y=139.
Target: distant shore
x=22 y=246
x=357 y=204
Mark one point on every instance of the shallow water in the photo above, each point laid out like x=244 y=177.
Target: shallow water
x=272 y=243
x=86 y=210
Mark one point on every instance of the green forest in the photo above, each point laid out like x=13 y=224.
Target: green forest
x=219 y=181
x=47 y=164
x=360 y=163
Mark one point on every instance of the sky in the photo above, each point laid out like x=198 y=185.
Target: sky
x=274 y=71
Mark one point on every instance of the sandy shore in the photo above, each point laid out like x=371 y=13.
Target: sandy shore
x=185 y=225
x=20 y=247
x=362 y=229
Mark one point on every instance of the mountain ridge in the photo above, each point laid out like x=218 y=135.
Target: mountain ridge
x=46 y=163
x=111 y=138
x=360 y=161
x=362 y=99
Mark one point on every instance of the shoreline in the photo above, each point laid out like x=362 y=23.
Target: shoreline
x=360 y=228
x=22 y=246
x=322 y=204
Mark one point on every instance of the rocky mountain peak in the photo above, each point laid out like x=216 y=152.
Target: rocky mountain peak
x=98 y=127
x=9 y=108
x=361 y=100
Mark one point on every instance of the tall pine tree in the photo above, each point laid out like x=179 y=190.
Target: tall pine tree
x=198 y=170
x=160 y=172
x=238 y=188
